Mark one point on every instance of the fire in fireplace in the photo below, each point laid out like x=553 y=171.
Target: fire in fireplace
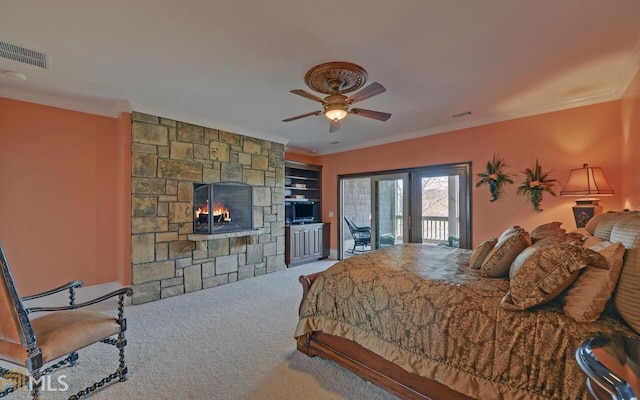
x=222 y=207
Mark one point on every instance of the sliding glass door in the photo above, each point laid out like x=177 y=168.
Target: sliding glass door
x=418 y=205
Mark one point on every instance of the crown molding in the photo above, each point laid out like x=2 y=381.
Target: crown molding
x=628 y=72
x=85 y=104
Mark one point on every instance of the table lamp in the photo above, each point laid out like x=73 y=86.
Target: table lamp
x=587 y=182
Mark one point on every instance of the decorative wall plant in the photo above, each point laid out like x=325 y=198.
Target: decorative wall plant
x=494 y=176
x=534 y=184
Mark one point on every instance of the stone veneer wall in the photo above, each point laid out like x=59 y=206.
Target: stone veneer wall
x=167 y=158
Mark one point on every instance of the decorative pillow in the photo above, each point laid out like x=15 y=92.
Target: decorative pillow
x=592 y=241
x=509 y=231
x=546 y=230
x=549 y=240
x=480 y=253
x=502 y=255
x=581 y=231
x=628 y=291
x=540 y=273
x=575 y=238
x=587 y=297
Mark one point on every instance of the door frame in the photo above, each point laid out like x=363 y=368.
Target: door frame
x=463 y=171
x=468 y=200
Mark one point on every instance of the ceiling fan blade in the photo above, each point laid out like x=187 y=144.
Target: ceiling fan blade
x=381 y=116
x=308 y=95
x=335 y=126
x=371 y=90
x=302 y=116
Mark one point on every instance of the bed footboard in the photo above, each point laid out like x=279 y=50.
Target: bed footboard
x=306 y=281
x=370 y=366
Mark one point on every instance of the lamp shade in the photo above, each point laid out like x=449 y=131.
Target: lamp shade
x=587 y=181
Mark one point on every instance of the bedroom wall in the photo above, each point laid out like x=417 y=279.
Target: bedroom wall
x=61 y=203
x=560 y=140
x=82 y=163
x=630 y=117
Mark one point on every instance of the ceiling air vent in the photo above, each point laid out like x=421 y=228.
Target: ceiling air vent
x=23 y=55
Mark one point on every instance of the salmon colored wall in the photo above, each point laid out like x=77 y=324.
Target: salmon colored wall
x=560 y=140
x=59 y=204
x=630 y=116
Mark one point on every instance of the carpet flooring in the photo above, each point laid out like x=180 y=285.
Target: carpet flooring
x=230 y=342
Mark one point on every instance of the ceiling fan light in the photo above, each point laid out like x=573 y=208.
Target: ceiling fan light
x=335 y=112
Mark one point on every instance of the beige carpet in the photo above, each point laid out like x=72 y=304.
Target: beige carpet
x=230 y=342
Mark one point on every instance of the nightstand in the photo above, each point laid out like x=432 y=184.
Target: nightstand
x=612 y=366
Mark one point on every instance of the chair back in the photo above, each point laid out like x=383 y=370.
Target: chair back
x=352 y=226
x=14 y=322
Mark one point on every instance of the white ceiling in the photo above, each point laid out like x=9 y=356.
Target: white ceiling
x=230 y=64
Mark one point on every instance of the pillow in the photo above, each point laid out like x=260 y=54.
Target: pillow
x=549 y=240
x=605 y=227
x=587 y=297
x=481 y=252
x=546 y=230
x=592 y=241
x=509 y=231
x=628 y=291
x=540 y=273
x=502 y=255
x=598 y=218
x=575 y=238
x=581 y=231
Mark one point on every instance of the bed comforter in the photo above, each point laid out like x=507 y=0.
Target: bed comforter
x=423 y=308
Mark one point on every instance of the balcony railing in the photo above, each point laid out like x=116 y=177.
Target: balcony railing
x=435 y=229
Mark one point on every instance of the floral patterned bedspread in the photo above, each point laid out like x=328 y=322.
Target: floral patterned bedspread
x=423 y=308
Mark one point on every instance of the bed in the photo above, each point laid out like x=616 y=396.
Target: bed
x=418 y=321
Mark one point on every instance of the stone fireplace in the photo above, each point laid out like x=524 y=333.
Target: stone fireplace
x=176 y=168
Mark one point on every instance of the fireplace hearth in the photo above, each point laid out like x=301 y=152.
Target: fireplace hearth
x=222 y=207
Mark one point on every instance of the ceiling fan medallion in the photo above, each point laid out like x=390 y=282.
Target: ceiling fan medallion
x=335 y=79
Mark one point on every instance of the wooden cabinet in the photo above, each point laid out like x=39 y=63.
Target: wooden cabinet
x=308 y=241
x=326 y=239
x=303 y=243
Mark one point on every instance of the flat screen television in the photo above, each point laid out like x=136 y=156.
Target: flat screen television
x=301 y=212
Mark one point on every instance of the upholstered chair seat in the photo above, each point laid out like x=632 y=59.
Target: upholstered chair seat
x=62 y=332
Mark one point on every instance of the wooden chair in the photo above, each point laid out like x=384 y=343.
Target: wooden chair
x=54 y=337
x=361 y=235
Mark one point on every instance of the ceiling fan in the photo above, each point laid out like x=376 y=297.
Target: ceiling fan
x=335 y=79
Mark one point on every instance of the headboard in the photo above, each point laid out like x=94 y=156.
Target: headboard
x=623 y=227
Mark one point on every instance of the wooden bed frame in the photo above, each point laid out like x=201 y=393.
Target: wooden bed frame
x=370 y=366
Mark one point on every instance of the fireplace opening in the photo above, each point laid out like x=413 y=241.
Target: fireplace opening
x=222 y=207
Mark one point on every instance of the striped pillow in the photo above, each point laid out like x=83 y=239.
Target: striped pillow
x=628 y=291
